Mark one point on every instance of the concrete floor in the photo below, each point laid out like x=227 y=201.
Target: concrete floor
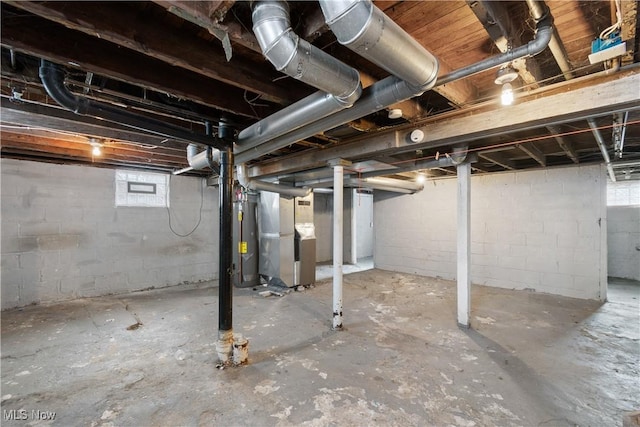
x=149 y=359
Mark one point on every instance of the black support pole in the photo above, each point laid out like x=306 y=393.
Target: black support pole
x=226 y=241
x=224 y=345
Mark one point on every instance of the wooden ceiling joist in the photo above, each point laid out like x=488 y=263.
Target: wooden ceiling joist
x=208 y=15
x=54 y=42
x=43 y=117
x=578 y=100
x=499 y=159
x=126 y=28
x=532 y=151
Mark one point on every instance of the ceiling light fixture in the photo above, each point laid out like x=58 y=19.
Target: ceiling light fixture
x=505 y=76
x=96 y=147
x=395 y=113
x=421 y=178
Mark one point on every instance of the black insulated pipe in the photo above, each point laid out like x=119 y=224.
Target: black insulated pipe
x=225 y=273
x=52 y=77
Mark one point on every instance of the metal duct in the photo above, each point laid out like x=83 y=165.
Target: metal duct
x=208 y=158
x=257 y=185
x=52 y=77
x=538 y=10
x=339 y=83
x=369 y=32
x=392 y=90
x=458 y=156
x=603 y=148
x=386 y=184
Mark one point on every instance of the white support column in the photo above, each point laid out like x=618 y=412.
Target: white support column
x=464 y=243
x=338 y=222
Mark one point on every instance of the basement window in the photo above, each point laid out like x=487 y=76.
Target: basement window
x=143 y=189
x=623 y=193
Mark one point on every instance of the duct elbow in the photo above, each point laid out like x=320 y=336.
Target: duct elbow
x=298 y=58
x=544 y=33
x=52 y=78
x=208 y=158
x=257 y=185
x=347 y=100
x=273 y=31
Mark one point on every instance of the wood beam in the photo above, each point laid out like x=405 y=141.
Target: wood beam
x=117 y=23
x=52 y=41
x=199 y=15
x=629 y=29
x=82 y=153
x=499 y=159
x=43 y=117
x=566 y=146
x=53 y=137
x=499 y=24
x=459 y=92
x=534 y=152
x=314 y=26
x=479 y=169
x=579 y=99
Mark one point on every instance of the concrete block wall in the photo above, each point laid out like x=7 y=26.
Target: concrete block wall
x=623 y=240
x=323 y=221
x=63 y=237
x=540 y=230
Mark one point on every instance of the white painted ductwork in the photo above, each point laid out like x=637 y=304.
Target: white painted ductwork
x=258 y=185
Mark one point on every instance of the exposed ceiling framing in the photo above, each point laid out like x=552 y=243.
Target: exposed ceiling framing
x=194 y=62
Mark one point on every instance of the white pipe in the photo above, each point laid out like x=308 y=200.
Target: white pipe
x=603 y=148
x=183 y=170
x=338 y=177
x=463 y=277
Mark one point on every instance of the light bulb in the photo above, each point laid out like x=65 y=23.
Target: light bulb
x=421 y=178
x=507 y=94
x=96 y=150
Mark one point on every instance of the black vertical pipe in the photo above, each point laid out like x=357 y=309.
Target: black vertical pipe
x=226 y=238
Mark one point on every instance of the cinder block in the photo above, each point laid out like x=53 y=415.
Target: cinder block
x=45 y=291
x=541 y=241
x=555 y=282
x=578 y=242
x=114 y=282
x=10 y=295
x=542 y=262
x=64 y=214
x=515 y=262
x=496 y=249
x=558 y=226
x=57 y=242
x=586 y=287
x=10 y=261
x=489 y=260
x=19 y=244
x=44 y=228
x=78 y=286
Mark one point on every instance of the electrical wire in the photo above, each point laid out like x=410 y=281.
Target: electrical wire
x=608 y=31
x=202 y=181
